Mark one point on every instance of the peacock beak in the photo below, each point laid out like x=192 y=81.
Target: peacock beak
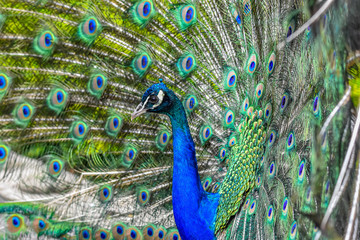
x=138 y=111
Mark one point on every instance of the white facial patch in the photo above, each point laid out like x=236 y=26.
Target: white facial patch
x=160 y=96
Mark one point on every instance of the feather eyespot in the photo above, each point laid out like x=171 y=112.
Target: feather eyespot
x=78 y=130
x=55 y=167
x=141 y=63
x=236 y=15
x=222 y=153
x=316 y=106
x=252 y=208
x=290 y=143
x=230 y=79
x=102 y=234
x=251 y=64
x=245 y=105
x=290 y=28
x=285 y=207
x=293 y=230
x=40 y=224
x=44 y=43
x=133 y=233
x=186 y=64
x=272 y=169
x=272 y=138
x=129 y=156
x=173 y=235
x=247 y=203
x=105 y=193
x=85 y=234
x=188 y=14
x=118 y=231
x=4 y=153
x=206 y=183
x=5 y=82
x=144 y=9
x=271 y=63
x=259 y=91
x=143 y=196
x=15 y=223
x=258 y=181
x=205 y=133
x=215 y=188
x=23 y=114
x=241 y=127
x=113 y=125
x=270 y=214
x=301 y=172
x=160 y=233
x=268 y=111
x=89 y=29
x=284 y=102
x=229 y=119
x=232 y=140
x=247 y=7
x=250 y=111
x=190 y=103
x=162 y=139
x=97 y=85
x=149 y=231
x=57 y=99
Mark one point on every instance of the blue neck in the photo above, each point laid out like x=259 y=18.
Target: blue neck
x=194 y=209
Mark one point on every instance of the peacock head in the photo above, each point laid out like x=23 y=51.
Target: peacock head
x=157 y=99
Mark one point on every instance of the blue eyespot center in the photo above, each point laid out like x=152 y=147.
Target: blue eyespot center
x=230 y=117
x=59 y=96
x=293 y=228
x=2 y=82
x=301 y=169
x=259 y=92
x=99 y=82
x=116 y=122
x=131 y=154
x=290 y=139
x=26 y=111
x=146 y=9
x=270 y=211
x=144 y=61
x=189 y=14
x=238 y=19
x=223 y=153
x=206 y=184
x=175 y=237
x=2 y=153
x=316 y=103
x=327 y=187
x=103 y=235
x=81 y=129
x=247 y=8
x=271 y=137
x=289 y=31
x=271 y=65
x=150 y=232
x=92 y=26
x=133 y=234
x=192 y=103
x=48 y=40
x=246 y=106
x=207 y=133
x=285 y=205
x=41 y=224
x=119 y=230
x=189 y=63
x=271 y=168
x=283 y=101
x=232 y=80
x=85 y=234
x=161 y=234
x=164 y=137
x=143 y=196
x=106 y=192
x=252 y=205
x=16 y=221
x=252 y=66
x=56 y=166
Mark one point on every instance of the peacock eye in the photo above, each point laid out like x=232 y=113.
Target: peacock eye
x=153 y=99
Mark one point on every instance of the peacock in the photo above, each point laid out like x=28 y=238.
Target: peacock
x=179 y=119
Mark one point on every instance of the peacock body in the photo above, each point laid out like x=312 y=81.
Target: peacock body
x=261 y=142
